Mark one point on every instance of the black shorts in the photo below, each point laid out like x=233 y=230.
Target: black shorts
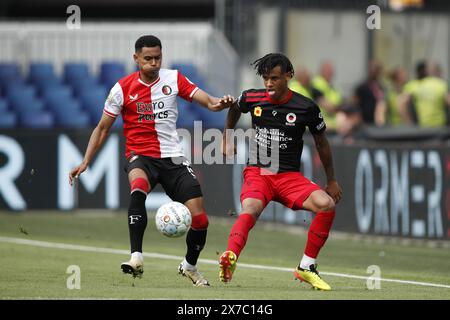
x=175 y=175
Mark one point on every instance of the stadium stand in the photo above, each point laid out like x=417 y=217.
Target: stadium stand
x=41 y=98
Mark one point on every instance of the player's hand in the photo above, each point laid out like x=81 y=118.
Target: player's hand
x=334 y=190
x=225 y=102
x=75 y=172
x=228 y=147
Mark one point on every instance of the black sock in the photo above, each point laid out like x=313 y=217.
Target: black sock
x=137 y=220
x=195 y=240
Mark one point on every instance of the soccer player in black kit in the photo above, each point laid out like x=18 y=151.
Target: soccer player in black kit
x=279 y=119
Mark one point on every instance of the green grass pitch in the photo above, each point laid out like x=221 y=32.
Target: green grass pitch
x=36 y=272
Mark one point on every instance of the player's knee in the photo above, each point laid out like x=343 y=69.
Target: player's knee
x=200 y=221
x=324 y=203
x=253 y=209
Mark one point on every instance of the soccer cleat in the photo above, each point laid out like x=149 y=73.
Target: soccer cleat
x=227 y=264
x=135 y=267
x=198 y=280
x=312 y=277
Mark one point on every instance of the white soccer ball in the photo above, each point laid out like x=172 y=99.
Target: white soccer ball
x=173 y=219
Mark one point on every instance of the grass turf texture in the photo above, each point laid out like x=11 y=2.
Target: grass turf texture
x=29 y=272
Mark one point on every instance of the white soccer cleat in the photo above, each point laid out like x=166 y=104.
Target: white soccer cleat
x=198 y=280
x=135 y=267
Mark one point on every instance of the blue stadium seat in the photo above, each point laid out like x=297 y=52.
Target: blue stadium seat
x=4 y=105
x=87 y=84
x=186 y=114
x=188 y=69
x=20 y=91
x=28 y=105
x=56 y=91
x=111 y=72
x=56 y=99
x=211 y=119
x=37 y=120
x=118 y=124
x=93 y=102
x=49 y=83
x=75 y=72
x=23 y=98
x=8 y=120
x=10 y=73
x=41 y=72
x=72 y=117
x=63 y=105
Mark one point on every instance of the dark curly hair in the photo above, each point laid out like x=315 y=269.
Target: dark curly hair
x=265 y=64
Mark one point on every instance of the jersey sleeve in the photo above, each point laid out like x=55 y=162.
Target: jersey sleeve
x=114 y=102
x=186 y=89
x=316 y=124
x=242 y=103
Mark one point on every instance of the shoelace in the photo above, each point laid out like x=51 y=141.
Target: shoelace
x=312 y=268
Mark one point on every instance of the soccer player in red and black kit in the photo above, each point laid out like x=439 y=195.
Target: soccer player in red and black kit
x=146 y=99
x=279 y=119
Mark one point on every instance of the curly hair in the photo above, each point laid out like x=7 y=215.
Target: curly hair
x=265 y=64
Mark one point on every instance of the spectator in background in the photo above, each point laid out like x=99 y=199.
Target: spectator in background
x=429 y=96
x=388 y=113
x=302 y=85
x=332 y=99
x=349 y=122
x=370 y=95
x=435 y=70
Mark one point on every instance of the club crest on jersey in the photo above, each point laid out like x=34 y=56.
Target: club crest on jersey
x=290 y=118
x=166 y=90
x=257 y=111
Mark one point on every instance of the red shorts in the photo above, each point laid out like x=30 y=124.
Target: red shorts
x=288 y=188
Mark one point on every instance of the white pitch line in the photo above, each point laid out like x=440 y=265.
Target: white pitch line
x=55 y=245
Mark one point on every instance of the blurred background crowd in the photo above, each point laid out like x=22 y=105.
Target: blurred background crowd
x=390 y=80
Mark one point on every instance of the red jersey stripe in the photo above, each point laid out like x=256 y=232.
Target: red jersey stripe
x=255 y=94
x=110 y=113
x=256 y=99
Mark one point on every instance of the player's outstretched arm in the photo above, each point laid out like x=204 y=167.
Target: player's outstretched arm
x=96 y=140
x=213 y=103
x=228 y=144
x=324 y=150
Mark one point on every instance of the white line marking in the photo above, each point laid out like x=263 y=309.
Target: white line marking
x=55 y=245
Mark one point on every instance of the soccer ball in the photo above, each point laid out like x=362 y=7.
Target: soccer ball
x=173 y=219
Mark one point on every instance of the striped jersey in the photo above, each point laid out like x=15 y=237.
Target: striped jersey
x=149 y=112
x=278 y=128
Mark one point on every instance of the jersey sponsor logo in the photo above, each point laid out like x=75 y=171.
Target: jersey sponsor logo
x=142 y=107
x=290 y=118
x=257 y=111
x=167 y=90
x=132 y=98
x=153 y=116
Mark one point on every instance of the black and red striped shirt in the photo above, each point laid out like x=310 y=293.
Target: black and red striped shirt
x=279 y=126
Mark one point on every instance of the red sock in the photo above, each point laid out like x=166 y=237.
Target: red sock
x=239 y=233
x=318 y=232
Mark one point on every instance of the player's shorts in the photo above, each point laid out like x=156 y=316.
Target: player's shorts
x=174 y=174
x=288 y=188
